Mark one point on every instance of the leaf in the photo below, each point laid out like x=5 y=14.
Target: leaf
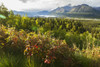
x=2 y=16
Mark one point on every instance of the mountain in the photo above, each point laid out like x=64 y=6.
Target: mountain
x=43 y=13
x=97 y=8
x=31 y=13
x=28 y=13
x=82 y=10
x=66 y=8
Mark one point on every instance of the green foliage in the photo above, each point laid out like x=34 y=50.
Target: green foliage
x=47 y=50
x=4 y=10
x=48 y=42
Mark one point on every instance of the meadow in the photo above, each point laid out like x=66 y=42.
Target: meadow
x=48 y=42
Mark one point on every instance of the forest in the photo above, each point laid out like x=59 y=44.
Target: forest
x=48 y=42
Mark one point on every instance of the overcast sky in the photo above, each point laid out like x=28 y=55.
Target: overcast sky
x=20 y=5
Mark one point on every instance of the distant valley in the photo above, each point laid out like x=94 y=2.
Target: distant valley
x=79 y=11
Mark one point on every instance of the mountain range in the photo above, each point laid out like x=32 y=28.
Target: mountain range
x=82 y=10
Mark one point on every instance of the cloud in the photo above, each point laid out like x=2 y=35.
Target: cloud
x=25 y=1
x=45 y=4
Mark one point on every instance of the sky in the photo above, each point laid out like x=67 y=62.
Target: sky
x=27 y=5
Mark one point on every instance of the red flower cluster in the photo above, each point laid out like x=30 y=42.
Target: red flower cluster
x=35 y=46
x=47 y=61
x=31 y=49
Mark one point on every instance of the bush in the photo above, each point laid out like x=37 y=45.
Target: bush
x=47 y=50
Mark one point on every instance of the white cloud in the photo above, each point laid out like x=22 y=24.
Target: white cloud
x=44 y=4
x=24 y=1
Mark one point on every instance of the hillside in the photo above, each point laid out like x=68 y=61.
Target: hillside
x=49 y=42
x=82 y=8
x=63 y=9
x=97 y=8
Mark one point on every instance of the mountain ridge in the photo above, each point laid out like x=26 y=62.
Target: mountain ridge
x=82 y=10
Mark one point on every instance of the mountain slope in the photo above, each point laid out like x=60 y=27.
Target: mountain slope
x=97 y=8
x=43 y=12
x=62 y=9
x=82 y=8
